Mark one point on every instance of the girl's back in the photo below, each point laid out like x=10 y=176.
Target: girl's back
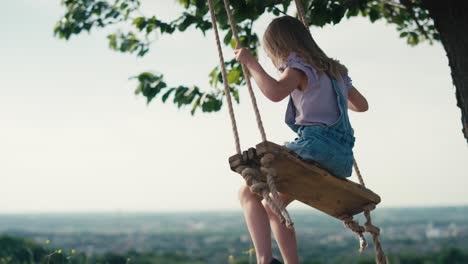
x=317 y=104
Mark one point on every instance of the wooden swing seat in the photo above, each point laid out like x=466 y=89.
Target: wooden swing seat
x=307 y=182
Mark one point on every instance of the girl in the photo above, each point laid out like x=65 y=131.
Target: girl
x=320 y=92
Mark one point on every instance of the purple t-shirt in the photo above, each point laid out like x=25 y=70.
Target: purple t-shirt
x=318 y=103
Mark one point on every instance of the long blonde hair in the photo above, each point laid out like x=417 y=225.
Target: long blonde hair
x=287 y=34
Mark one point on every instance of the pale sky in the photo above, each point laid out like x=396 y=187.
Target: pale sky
x=74 y=137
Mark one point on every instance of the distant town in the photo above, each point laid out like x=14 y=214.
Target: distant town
x=220 y=237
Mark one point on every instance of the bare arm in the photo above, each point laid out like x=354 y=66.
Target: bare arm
x=275 y=90
x=356 y=101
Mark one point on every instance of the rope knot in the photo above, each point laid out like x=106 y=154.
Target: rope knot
x=249 y=172
x=362 y=243
x=354 y=226
x=249 y=175
x=369 y=207
x=350 y=223
x=267 y=159
x=259 y=187
x=268 y=171
x=370 y=228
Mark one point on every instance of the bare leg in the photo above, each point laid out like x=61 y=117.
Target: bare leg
x=285 y=237
x=258 y=224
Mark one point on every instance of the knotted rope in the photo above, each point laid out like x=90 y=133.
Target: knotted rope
x=250 y=175
x=375 y=232
x=270 y=173
x=261 y=188
x=368 y=227
x=348 y=220
x=354 y=226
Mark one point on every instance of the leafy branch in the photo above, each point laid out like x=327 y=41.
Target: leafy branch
x=413 y=22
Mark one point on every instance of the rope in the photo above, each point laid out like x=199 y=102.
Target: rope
x=300 y=12
x=270 y=173
x=354 y=226
x=358 y=173
x=249 y=174
x=380 y=257
x=246 y=72
x=252 y=179
x=348 y=220
x=276 y=204
x=223 y=73
x=368 y=227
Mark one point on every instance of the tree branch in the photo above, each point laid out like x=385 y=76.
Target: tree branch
x=282 y=12
x=391 y=3
x=409 y=7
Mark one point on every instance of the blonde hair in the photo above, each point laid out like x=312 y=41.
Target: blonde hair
x=287 y=34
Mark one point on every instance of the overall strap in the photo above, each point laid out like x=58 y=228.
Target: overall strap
x=290 y=116
x=342 y=105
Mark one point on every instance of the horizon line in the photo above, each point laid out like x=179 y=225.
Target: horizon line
x=207 y=211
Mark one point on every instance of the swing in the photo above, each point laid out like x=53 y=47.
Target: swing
x=269 y=168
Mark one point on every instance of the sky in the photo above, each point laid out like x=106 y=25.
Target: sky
x=75 y=138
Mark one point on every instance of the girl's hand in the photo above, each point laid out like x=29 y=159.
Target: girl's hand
x=244 y=56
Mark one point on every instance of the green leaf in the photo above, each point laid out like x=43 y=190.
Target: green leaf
x=211 y=104
x=214 y=77
x=187 y=21
x=112 y=41
x=123 y=6
x=374 y=13
x=149 y=90
x=227 y=39
x=235 y=94
x=139 y=89
x=412 y=39
x=140 y=23
x=186 y=3
x=167 y=94
x=234 y=76
x=352 y=11
x=195 y=105
x=233 y=44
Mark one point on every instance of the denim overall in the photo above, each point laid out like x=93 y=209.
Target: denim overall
x=329 y=145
